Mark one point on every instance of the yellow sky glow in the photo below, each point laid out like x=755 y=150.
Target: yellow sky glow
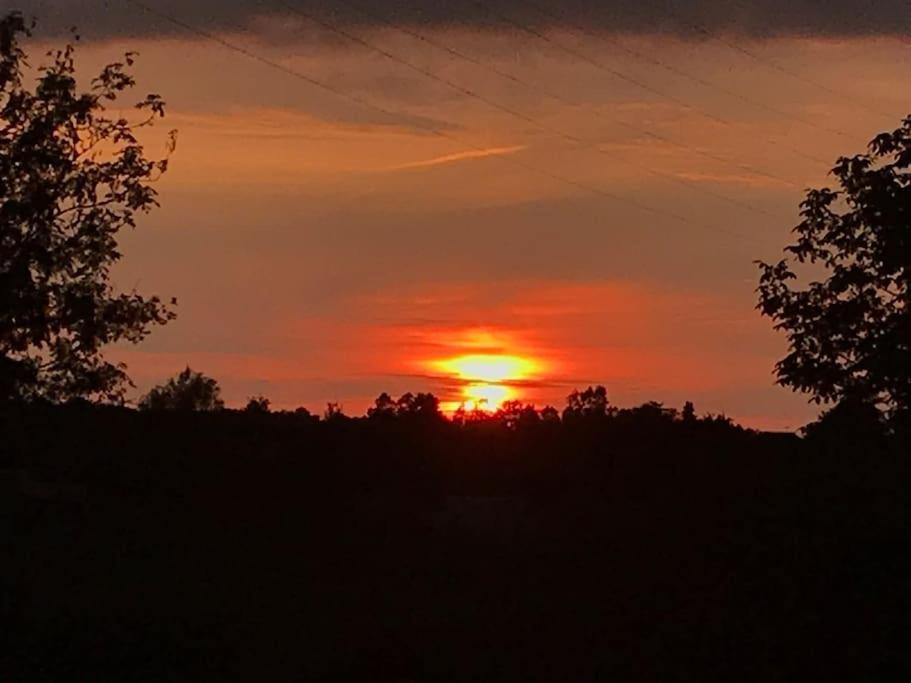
x=487 y=378
x=488 y=367
x=488 y=397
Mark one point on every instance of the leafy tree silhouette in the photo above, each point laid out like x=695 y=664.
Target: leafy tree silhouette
x=258 y=405
x=591 y=403
x=333 y=412
x=515 y=414
x=188 y=392
x=688 y=414
x=408 y=405
x=653 y=411
x=463 y=416
x=71 y=178
x=422 y=405
x=384 y=407
x=850 y=333
x=550 y=414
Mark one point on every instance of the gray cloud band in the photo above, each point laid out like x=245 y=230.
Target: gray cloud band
x=683 y=18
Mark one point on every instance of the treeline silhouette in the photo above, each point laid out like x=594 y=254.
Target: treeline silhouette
x=591 y=544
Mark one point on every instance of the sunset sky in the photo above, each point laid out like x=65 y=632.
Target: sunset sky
x=581 y=187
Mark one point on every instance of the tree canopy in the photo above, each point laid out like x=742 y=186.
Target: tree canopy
x=258 y=405
x=849 y=332
x=188 y=392
x=72 y=178
x=592 y=403
x=420 y=405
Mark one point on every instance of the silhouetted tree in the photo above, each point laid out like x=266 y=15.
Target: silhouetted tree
x=334 y=411
x=720 y=422
x=188 y=392
x=850 y=332
x=550 y=414
x=590 y=403
x=464 y=416
x=71 y=178
x=688 y=414
x=515 y=414
x=508 y=413
x=653 y=411
x=423 y=405
x=459 y=415
x=258 y=405
x=407 y=405
x=383 y=407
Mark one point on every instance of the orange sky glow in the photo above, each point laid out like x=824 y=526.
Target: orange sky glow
x=321 y=252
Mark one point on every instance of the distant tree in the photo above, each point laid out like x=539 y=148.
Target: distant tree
x=688 y=414
x=508 y=413
x=653 y=411
x=423 y=405
x=460 y=415
x=720 y=422
x=188 y=392
x=334 y=411
x=590 y=403
x=550 y=414
x=258 y=405
x=383 y=407
x=408 y=405
x=71 y=179
x=850 y=330
x=475 y=415
x=304 y=415
x=515 y=414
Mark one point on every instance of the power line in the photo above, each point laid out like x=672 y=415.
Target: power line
x=569 y=137
x=629 y=79
x=559 y=98
x=680 y=72
x=768 y=63
x=434 y=131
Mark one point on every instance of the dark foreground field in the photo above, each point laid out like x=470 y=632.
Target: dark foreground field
x=271 y=547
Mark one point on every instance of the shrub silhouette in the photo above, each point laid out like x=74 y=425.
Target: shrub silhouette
x=258 y=405
x=188 y=392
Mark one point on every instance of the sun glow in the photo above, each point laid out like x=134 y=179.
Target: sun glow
x=486 y=396
x=488 y=367
x=488 y=380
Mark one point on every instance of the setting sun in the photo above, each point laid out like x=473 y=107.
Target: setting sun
x=488 y=367
x=487 y=378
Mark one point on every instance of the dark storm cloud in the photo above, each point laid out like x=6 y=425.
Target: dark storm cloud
x=112 y=18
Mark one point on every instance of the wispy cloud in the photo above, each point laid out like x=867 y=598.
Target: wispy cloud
x=754 y=180
x=468 y=155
